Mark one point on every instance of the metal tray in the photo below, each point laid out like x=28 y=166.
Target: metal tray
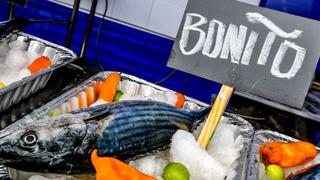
x=20 y=90
x=139 y=87
x=260 y=138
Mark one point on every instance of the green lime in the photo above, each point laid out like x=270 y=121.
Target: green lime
x=54 y=112
x=175 y=171
x=117 y=96
x=2 y=85
x=275 y=172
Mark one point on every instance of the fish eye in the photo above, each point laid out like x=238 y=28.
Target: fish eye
x=29 y=138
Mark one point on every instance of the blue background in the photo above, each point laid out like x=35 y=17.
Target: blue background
x=121 y=48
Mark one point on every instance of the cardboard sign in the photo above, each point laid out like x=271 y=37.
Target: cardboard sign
x=255 y=50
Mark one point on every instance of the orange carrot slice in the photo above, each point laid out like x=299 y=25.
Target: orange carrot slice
x=82 y=100
x=65 y=108
x=91 y=97
x=97 y=87
x=181 y=100
x=109 y=87
x=74 y=103
x=111 y=168
x=39 y=64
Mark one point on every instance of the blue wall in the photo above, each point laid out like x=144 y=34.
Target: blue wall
x=120 y=48
x=305 y=8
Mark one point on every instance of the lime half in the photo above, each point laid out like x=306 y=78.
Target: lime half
x=275 y=172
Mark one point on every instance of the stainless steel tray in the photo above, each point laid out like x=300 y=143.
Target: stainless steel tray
x=20 y=90
x=139 y=86
x=260 y=138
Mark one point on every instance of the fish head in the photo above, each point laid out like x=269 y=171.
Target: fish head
x=45 y=142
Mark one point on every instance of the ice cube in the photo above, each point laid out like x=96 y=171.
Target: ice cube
x=191 y=106
x=4 y=49
x=151 y=165
x=146 y=165
x=159 y=97
x=18 y=44
x=202 y=166
x=171 y=98
x=145 y=90
x=129 y=87
x=226 y=143
x=9 y=77
x=17 y=60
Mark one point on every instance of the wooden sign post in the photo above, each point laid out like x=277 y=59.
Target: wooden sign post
x=214 y=117
x=257 y=51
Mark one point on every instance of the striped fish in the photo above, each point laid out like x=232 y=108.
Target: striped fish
x=125 y=130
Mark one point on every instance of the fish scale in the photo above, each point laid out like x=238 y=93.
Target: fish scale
x=123 y=121
x=159 y=112
x=142 y=146
x=137 y=123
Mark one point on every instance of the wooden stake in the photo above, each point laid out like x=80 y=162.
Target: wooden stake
x=214 y=117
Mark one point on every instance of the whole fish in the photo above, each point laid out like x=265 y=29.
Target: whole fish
x=125 y=130
x=309 y=173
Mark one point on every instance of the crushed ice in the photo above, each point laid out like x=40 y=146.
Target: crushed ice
x=217 y=162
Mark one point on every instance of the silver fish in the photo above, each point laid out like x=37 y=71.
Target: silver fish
x=125 y=130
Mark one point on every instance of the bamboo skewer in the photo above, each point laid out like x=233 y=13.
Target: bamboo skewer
x=214 y=117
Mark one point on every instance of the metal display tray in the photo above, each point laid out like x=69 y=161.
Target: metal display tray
x=20 y=90
x=260 y=138
x=141 y=86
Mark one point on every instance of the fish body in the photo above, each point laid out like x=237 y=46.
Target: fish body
x=124 y=130
x=310 y=173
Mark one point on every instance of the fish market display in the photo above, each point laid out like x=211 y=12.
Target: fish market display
x=123 y=130
x=231 y=140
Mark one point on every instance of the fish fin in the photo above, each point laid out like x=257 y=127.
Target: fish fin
x=181 y=125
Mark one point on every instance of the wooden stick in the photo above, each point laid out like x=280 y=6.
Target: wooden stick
x=216 y=112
